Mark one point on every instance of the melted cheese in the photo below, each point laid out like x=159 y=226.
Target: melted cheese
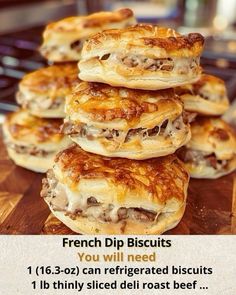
x=118 y=140
x=181 y=65
x=73 y=201
x=70 y=201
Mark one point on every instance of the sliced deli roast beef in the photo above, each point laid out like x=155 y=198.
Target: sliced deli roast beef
x=59 y=201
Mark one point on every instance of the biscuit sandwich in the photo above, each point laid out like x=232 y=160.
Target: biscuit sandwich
x=64 y=39
x=92 y=194
x=33 y=142
x=211 y=152
x=43 y=91
x=122 y=122
x=142 y=57
x=207 y=96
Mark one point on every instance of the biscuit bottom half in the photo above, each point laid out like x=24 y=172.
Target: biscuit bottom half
x=32 y=162
x=93 y=217
x=84 y=225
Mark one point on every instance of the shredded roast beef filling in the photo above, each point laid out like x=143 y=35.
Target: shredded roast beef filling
x=58 y=201
x=45 y=50
x=76 y=45
x=70 y=129
x=203 y=93
x=215 y=97
x=189 y=117
x=83 y=130
x=182 y=66
x=38 y=103
x=197 y=157
x=157 y=130
x=163 y=64
x=91 y=201
x=29 y=150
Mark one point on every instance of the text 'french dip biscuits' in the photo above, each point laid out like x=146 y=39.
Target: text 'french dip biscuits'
x=33 y=142
x=122 y=122
x=43 y=92
x=63 y=40
x=142 y=57
x=92 y=194
x=211 y=152
x=207 y=96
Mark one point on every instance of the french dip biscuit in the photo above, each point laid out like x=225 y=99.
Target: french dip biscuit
x=122 y=122
x=63 y=40
x=92 y=194
x=142 y=57
x=211 y=152
x=43 y=91
x=33 y=142
x=207 y=96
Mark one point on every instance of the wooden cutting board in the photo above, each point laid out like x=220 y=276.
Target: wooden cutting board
x=211 y=205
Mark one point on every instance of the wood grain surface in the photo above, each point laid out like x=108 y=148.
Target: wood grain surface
x=211 y=204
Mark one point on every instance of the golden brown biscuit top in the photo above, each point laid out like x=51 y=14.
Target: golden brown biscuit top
x=213 y=132
x=164 y=178
x=25 y=127
x=99 y=19
x=206 y=80
x=106 y=103
x=148 y=36
x=55 y=80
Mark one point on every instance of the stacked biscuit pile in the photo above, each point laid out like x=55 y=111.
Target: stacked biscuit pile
x=121 y=176
x=127 y=114
x=32 y=134
x=211 y=152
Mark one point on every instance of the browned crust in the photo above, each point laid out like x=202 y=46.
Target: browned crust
x=195 y=87
x=178 y=42
x=106 y=103
x=117 y=16
x=58 y=79
x=151 y=36
x=215 y=128
x=92 y=20
x=220 y=134
x=205 y=78
x=43 y=129
x=165 y=173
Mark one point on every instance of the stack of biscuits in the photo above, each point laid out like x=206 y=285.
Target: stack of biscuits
x=32 y=134
x=113 y=163
x=121 y=176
